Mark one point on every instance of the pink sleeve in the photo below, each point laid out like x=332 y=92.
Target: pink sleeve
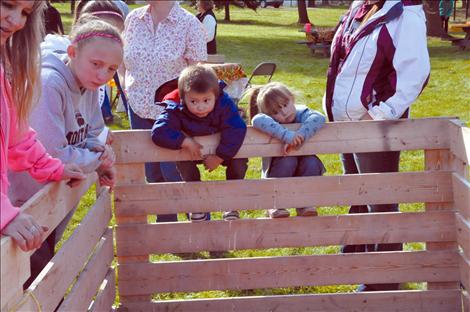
x=9 y=211
x=29 y=154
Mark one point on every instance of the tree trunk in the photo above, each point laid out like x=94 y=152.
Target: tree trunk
x=433 y=20
x=303 y=14
x=227 y=11
x=72 y=7
x=325 y=2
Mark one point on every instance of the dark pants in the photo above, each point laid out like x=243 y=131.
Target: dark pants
x=445 y=23
x=156 y=172
x=235 y=169
x=295 y=166
x=372 y=163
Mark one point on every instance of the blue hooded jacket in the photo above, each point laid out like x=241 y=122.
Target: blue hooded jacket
x=172 y=126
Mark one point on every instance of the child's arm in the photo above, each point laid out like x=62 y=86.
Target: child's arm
x=270 y=126
x=311 y=121
x=96 y=126
x=49 y=121
x=232 y=130
x=166 y=131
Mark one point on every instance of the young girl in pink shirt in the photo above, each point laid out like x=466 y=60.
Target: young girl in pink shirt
x=20 y=35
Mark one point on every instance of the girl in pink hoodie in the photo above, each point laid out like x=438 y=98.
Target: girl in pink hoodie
x=20 y=35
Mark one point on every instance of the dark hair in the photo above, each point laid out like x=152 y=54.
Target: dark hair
x=198 y=78
x=94 y=6
x=206 y=5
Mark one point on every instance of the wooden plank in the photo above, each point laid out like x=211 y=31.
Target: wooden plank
x=333 y=138
x=464 y=264
x=291 y=232
x=461 y=188
x=460 y=140
x=357 y=189
x=106 y=294
x=130 y=174
x=439 y=160
x=463 y=234
x=52 y=283
x=15 y=270
x=274 y=272
x=48 y=207
x=404 y=301
x=91 y=277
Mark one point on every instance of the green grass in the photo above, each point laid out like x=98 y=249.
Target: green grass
x=270 y=35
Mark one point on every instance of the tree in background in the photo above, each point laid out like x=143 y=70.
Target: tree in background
x=433 y=20
x=303 y=14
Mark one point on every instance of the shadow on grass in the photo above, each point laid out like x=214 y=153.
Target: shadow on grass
x=250 y=22
x=448 y=52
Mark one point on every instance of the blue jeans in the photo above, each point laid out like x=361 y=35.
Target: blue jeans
x=295 y=166
x=156 y=172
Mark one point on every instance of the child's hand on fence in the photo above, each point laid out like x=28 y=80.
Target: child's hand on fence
x=107 y=157
x=25 y=232
x=211 y=162
x=110 y=138
x=296 y=143
x=107 y=177
x=74 y=174
x=298 y=140
x=193 y=147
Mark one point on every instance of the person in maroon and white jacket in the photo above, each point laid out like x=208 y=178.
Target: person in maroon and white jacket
x=379 y=65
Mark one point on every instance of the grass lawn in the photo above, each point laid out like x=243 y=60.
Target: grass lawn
x=270 y=35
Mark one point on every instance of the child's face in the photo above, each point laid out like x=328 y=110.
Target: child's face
x=200 y=104
x=13 y=17
x=96 y=62
x=286 y=114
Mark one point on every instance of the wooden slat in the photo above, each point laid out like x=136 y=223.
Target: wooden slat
x=460 y=140
x=333 y=138
x=130 y=174
x=52 y=283
x=273 y=272
x=48 y=207
x=15 y=270
x=461 y=189
x=464 y=264
x=463 y=234
x=106 y=295
x=357 y=189
x=396 y=301
x=291 y=232
x=439 y=160
x=91 y=277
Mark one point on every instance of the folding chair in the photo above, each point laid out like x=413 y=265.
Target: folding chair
x=263 y=69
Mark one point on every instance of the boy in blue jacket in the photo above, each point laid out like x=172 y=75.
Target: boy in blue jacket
x=199 y=107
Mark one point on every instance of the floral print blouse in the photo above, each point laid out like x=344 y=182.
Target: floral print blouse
x=153 y=56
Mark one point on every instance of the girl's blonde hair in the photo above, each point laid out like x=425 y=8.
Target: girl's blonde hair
x=23 y=61
x=89 y=28
x=269 y=99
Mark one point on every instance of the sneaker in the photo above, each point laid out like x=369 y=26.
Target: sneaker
x=278 y=213
x=198 y=216
x=231 y=215
x=306 y=212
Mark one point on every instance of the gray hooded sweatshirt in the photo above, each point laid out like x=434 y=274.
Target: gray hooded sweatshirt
x=67 y=120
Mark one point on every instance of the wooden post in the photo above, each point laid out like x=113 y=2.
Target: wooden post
x=439 y=160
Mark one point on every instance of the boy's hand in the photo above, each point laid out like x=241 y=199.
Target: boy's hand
x=74 y=174
x=211 y=162
x=193 y=147
x=107 y=177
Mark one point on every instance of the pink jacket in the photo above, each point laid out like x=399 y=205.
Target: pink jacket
x=20 y=152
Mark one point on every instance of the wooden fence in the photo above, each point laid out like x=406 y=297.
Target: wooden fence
x=79 y=277
x=444 y=225
x=81 y=271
